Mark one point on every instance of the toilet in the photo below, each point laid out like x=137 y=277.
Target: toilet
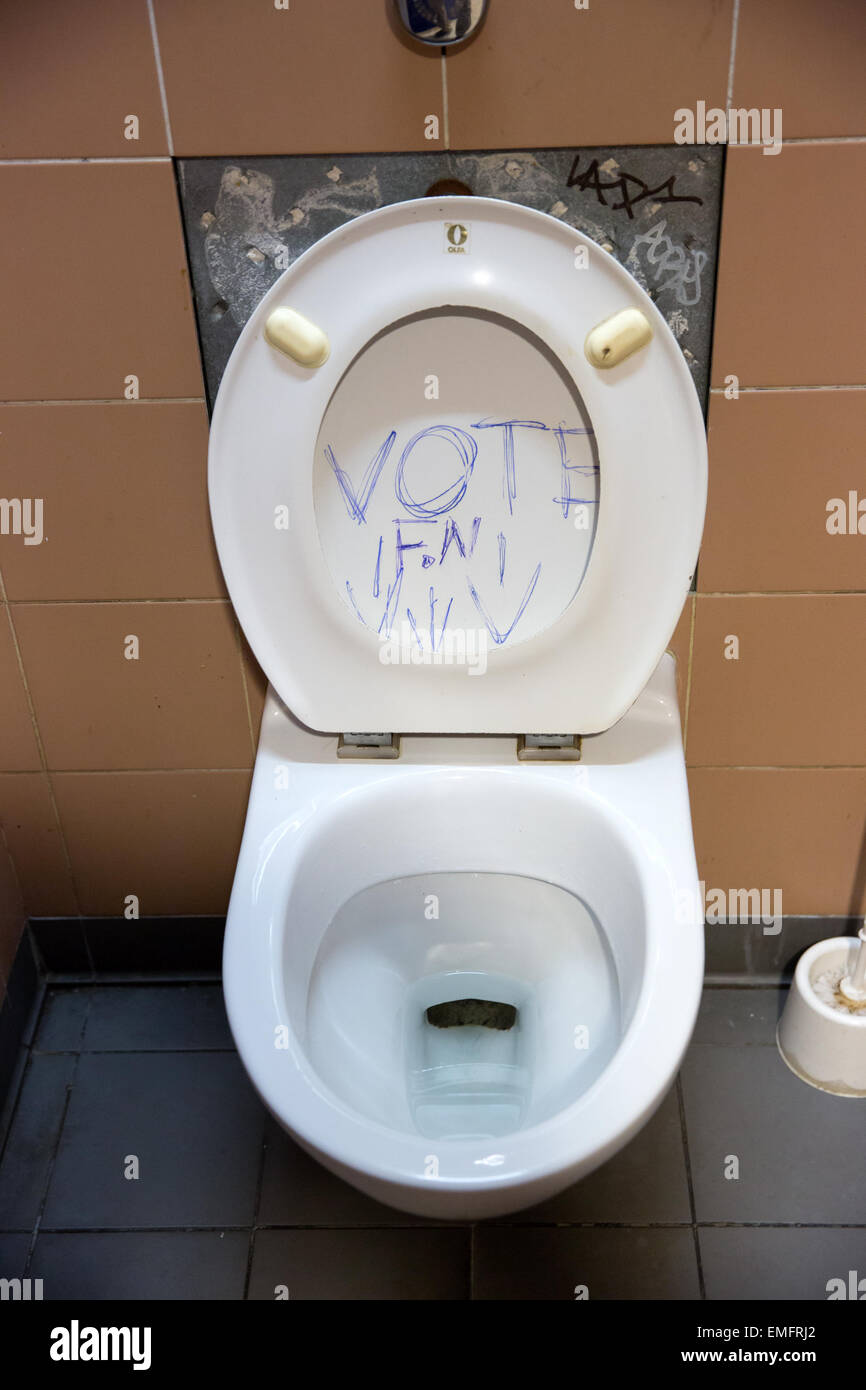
x=457 y=479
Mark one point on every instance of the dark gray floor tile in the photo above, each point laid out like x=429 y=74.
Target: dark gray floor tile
x=297 y=1191
x=13 y=1256
x=766 y=1262
x=538 y=1263
x=169 y=1018
x=143 y=1264
x=799 y=1150
x=747 y=1016
x=192 y=1121
x=362 y=1265
x=32 y=1140
x=61 y=1022
x=643 y=1184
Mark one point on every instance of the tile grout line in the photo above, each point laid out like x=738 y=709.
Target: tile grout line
x=102 y=984
x=135 y=772
x=692 y=1207
x=112 y=400
x=40 y=746
x=202 y=400
x=254 y=1224
x=157 y=58
x=789 y=140
x=134 y=601
x=824 y=140
x=780 y=593
x=91 y=159
x=782 y=767
x=247 y=768
x=421 y=1225
x=113 y=602
x=780 y=390
x=735 y=24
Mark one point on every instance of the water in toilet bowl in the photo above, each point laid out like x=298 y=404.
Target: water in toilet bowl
x=514 y=948
x=469 y=1080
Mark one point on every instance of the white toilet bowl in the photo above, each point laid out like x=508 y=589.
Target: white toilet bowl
x=439 y=476
x=567 y=891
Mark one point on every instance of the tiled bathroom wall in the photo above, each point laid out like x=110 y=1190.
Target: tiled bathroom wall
x=129 y=700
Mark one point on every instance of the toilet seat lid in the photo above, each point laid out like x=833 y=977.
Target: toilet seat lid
x=457 y=492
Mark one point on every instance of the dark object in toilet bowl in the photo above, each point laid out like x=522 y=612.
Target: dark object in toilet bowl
x=477 y=1013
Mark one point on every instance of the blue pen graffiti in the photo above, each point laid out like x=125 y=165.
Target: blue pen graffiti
x=357 y=503
x=434 y=512
x=447 y=500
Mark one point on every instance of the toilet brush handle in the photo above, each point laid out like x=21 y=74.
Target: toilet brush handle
x=857 y=978
x=852 y=986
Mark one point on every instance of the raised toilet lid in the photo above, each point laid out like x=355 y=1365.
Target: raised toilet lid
x=457 y=523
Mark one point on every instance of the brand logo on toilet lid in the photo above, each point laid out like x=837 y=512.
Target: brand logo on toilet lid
x=457 y=236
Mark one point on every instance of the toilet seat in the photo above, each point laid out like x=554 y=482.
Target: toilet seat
x=580 y=672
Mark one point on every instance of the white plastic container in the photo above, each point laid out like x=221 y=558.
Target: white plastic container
x=825 y=1043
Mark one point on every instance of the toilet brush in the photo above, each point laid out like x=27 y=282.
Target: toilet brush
x=822 y=1031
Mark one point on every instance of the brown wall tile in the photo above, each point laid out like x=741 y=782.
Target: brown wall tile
x=790 y=287
x=34 y=838
x=181 y=704
x=776 y=460
x=73 y=72
x=19 y=751
x=807 y=57
x=251 y=79
x=802 y=830
x=172 y=839
x=93 y=276
x=794 y=696
x=96 y=284
x=549 y=74
x=125 y=510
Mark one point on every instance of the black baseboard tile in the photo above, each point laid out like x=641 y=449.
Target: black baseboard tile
x=60 y=944
x=84 y=947
x=155 y=945
x=769 y=951
x=23 y=987
x=80 y=947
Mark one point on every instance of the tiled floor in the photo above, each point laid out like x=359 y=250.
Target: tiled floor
x=139 y=1164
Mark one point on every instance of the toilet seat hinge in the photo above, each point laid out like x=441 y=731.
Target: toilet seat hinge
x=549 y=748
x=368 y=746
